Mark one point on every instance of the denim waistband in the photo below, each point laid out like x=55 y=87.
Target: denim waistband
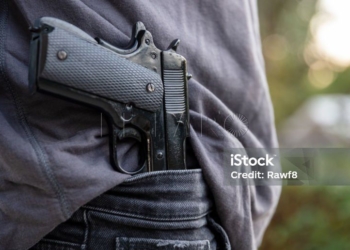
x=158 y=196
x=157 y=210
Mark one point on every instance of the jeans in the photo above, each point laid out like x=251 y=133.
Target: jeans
x=158 y=210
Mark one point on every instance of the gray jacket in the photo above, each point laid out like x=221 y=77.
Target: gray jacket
x=52 y=159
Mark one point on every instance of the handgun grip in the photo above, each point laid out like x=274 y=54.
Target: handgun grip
x=79 y=63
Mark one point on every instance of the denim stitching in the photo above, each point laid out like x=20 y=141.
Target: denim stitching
x=117 y=247
x=20 y=114
x=147 y=217
x=208 y=244
x=146 y=176
x=59 y=242
x=147 y=243
x=86 y=233
x=220 y=231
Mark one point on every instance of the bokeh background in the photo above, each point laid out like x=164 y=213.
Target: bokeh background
x=306 y=45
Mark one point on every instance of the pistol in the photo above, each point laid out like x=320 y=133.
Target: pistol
x=141 y=89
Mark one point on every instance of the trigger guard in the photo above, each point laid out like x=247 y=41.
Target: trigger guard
x=129 y=133
x=123 y=134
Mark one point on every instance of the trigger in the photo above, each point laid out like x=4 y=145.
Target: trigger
x=129 y=133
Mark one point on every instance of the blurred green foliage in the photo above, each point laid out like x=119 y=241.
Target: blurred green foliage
x=310 y=218
x=288 y=75
x=306 y=217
